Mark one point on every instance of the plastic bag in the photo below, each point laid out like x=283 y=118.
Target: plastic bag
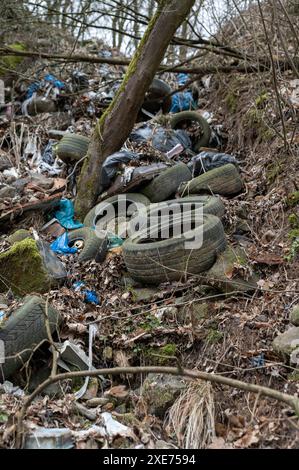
x=112 y=164
x=206 y=161
x=65 y=215
x=90 y=296
x=183 y=100
x=160 y=138
x=60 y=245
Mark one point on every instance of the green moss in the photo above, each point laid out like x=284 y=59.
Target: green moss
x=293 y=220
x=254 y=119
x=10 y=62
x=163 y=355
x=22 y=269
x=292 y=199
x=262 y=99
x=273 y=171
x=231 y=101
x=214 y=336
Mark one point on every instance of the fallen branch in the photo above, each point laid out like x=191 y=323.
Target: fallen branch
x=290 y=400
x=119 y=61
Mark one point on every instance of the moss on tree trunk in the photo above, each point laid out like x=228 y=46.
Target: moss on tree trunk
x=115 y=125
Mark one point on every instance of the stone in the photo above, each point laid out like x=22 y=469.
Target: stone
x=222 y=277
x=7 y=192
x=159 y=392
x=144 y=293
x=19 y=235
x=294 y=317
x=285 y=343
x=23 y=270
x=42 y=181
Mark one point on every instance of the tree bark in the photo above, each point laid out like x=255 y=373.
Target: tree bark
x=115 y=125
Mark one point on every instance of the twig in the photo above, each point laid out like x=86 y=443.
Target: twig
x=290 y=400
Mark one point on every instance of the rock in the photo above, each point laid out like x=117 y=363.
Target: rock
x=144 y=293
x=40 y=105
x=160 y=391
x=22 y=269
x=199 y=312
x=53 y=438
x=20 y=184
x=41 y=180
x=285 y=343
x=7 y=192
x=294 y=317
x=19 y=235
x=222 y=276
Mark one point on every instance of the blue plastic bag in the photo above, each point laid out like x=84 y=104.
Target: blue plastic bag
x=65 y=214
x=183 y=100
x=51 y=79
x=60 y=245
x=90 y=296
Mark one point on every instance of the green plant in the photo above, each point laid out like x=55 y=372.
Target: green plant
x=294 y=221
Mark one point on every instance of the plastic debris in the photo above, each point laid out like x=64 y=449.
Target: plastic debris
x=160 y=138
x=65 y=214
x=206 y=161
x=61 y=246
x=112 y=164
x=183 y=100
x=114 y=241
x=258 y=361
x=48 y=155
x=90 y=296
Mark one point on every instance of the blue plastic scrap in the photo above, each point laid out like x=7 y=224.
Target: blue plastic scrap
x=183 y=100
x=65 y=214
x=90 y=296
x=258 y=361
x=54 y=81
x=61 y=246
x=114 y=241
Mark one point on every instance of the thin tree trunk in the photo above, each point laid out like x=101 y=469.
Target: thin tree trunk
x=115 y=125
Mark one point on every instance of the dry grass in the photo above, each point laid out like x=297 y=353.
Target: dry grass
x=192 y=416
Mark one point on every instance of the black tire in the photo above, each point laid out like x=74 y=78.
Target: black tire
x=24 y=330
x=188 y=116
x=169 y=259
x=167 y=183
x=95 y=244
x=72 y=147
x=155 y=98
x=210 y=205
x=131 y=198
x=225 y=180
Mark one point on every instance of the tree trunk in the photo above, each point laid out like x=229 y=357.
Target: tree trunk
x=115 y=125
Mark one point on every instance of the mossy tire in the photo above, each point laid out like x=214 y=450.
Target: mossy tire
x=95 y=244
x=225 y=180
x=192 y=116
x=24 y=330
x=72 y=147
x=167 y=183
x=170 y=259
x=131 y=198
